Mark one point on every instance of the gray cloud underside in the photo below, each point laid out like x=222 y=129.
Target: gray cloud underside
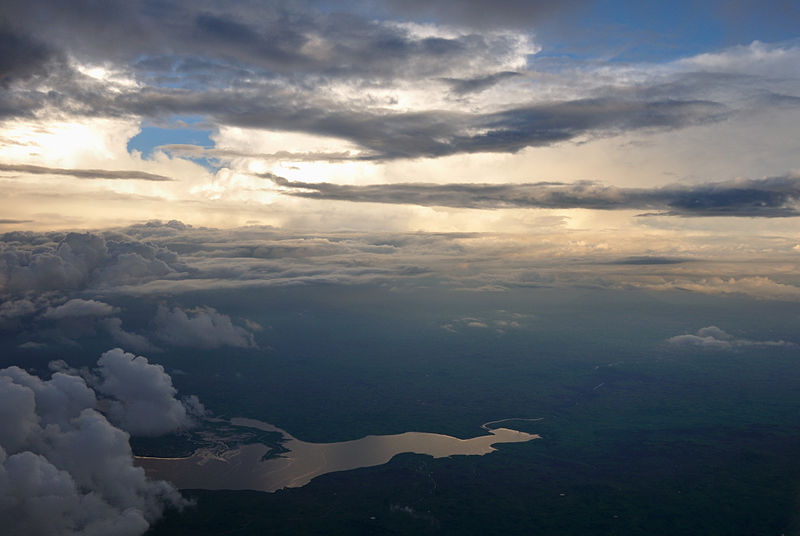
x=21 y=56
x=196 y=151
x=437 y=133
x=382 y=133
x=263 y=68
x=772 y=197
x=83 y=173
x=238 y=36
x=462 y=86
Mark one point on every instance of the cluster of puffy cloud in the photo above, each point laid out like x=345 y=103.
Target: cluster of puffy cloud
x=72 y=261
x=79 y=316
x=39 y=273
x=712 y=337
x=173 y=256
x=141 y=395
x=202 y=327
x=498 y=322
x=71 y=318
x=64 y=468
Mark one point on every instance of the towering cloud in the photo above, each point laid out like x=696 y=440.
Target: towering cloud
x=73 y=261
x=142 y=397
x=64 y=468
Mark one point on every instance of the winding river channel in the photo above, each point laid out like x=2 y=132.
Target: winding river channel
x=243 y=468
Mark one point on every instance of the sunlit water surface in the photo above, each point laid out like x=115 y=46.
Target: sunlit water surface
x=243 y=468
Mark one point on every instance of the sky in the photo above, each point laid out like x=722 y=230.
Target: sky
x=152 y=149
x=119 y=113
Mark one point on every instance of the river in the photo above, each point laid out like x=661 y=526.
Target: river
x=243 y=469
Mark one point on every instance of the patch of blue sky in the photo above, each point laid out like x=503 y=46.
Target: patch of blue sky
x=634 y=31
x=188 y=130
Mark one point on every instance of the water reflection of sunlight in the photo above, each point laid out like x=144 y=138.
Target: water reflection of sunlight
x=243 y=468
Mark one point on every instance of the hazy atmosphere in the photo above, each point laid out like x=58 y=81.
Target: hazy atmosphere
x=399 y=267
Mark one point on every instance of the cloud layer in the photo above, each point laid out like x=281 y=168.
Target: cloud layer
x=41 y=272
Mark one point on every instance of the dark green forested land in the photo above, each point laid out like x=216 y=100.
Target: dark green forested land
x=639 y=436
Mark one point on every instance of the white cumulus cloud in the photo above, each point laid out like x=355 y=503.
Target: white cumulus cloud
x=64 y=468
x=142 y=397
x=202 y=327
x=714 y=337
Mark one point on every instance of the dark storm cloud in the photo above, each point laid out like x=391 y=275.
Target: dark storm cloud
x=262 y=68
x=83 y=173
x=268 y=36
x=772 y=197
x=21 y=56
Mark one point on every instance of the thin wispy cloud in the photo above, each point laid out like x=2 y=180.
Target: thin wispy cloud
x=773 y=197
x=107 y=174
